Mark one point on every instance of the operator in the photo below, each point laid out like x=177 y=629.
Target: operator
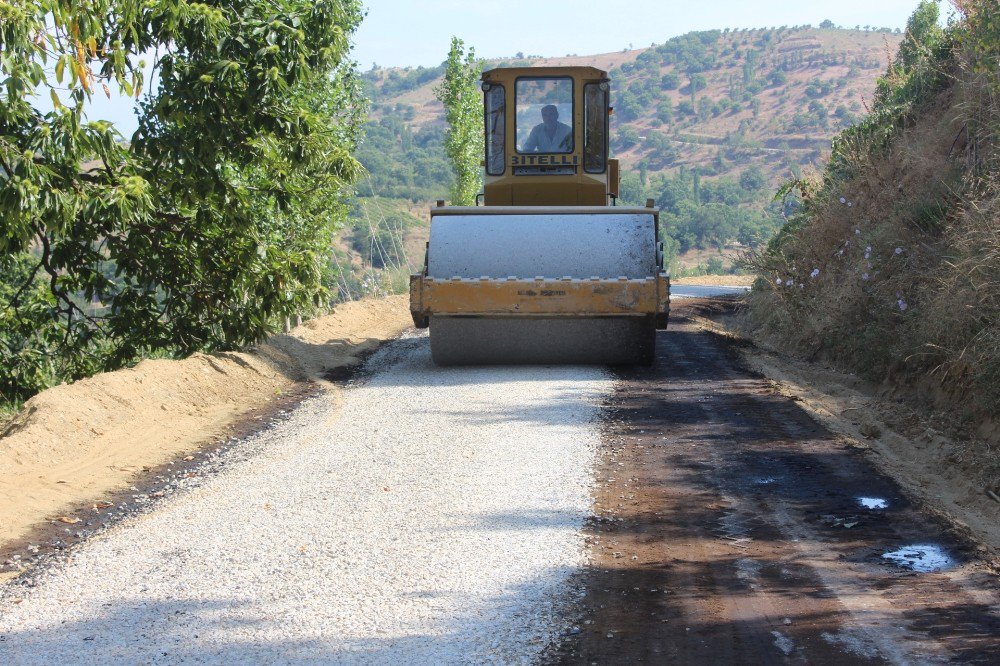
x=549 y=136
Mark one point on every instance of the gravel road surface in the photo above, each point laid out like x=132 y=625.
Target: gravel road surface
x=685 y=513
x=434 y=517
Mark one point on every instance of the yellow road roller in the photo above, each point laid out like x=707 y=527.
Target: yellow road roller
x=549 y=269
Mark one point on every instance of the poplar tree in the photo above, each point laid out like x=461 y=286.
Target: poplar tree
x=463 y=142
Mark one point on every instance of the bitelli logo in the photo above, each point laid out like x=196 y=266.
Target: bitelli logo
x=543 y=160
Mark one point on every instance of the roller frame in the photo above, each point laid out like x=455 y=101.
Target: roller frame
x=518 y=297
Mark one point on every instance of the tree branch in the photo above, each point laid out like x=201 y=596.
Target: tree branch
x=15 y=302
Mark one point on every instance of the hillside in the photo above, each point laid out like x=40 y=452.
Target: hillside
x=892 y=267
x=776 y=95
x=709 y=124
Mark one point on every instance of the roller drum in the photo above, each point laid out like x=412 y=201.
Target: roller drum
x=552 y=246
x=542 y=340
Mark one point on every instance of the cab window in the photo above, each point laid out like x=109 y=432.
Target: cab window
x=495 y=111
x=544 y=111
x=595 y=120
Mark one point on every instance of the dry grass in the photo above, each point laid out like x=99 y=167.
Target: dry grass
x=895 y=272
x=717 y=280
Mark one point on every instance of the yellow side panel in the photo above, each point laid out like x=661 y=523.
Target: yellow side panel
x=619 y=297
x=538 y=192
x=497 y=195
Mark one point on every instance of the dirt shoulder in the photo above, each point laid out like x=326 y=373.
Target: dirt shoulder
x=935 y=456
x=79 y=442
x=717 y=280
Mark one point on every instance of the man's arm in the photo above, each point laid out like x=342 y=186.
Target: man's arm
x=531 y=143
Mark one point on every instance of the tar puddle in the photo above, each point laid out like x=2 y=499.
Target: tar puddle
x=921 y=557
x=873 y=502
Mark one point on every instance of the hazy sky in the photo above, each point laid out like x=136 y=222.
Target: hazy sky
x=405 y=32
x=411 y=32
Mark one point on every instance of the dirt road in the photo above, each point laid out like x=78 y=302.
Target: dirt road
x=683 y=514
x=731 y=528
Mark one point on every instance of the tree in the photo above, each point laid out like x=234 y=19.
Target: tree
x=697 y=83
x=210 y=224
x=631 y=191
x=665 y=111
x=670 y=81
x=463 y=142
x=627 y=137
x=922 y=34
x=827 y=25
x=753 y=179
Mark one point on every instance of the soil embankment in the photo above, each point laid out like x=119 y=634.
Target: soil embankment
x=716 y=280
x=74 y=443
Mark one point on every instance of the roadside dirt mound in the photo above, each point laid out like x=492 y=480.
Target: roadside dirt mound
x=75 y=442
x=717 y=280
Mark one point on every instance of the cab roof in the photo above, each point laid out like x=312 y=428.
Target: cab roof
x=509 y=73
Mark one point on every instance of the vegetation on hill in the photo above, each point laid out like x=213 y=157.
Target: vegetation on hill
x=892 y=265
x=205 y=228
x=378 y=250
x=209 y=227
x=708 y=124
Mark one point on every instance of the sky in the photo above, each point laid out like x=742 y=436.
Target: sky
x=399 y=33
x=410 y=33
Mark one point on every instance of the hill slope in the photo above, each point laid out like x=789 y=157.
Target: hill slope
x=709 y=123
x=774 y=96
x=892 y=267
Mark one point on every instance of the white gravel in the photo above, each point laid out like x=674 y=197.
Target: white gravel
x=434 y=519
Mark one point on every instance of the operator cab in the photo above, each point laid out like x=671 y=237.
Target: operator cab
x=551 y=123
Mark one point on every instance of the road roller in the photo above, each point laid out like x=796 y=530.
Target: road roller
x=548 y=269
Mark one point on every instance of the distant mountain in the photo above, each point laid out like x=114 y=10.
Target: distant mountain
x=707 y=123
x=776 y=95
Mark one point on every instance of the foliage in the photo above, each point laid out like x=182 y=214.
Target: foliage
x=922 y=34
x=377 y=233
x=657 y=128
x=670 y=81
x=463 y=141
x=913 y=78
x=204 y=229
x=753 y=179
x=697 y=213
x=696 y=84
x=403 y=163
x=626 y=137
